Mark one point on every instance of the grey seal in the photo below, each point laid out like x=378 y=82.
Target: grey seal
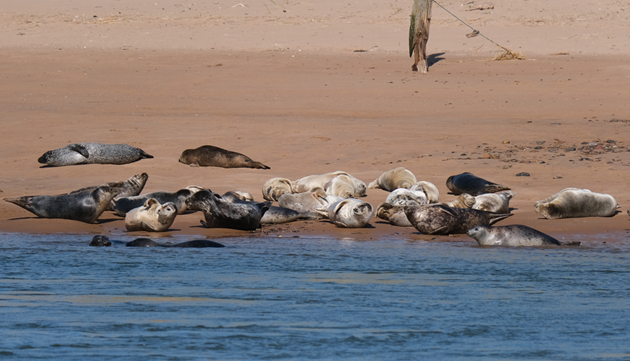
x=473 y=185
x=494 y=202
x=220 y=213
x=394 y=179
x=274 y=215
x=512 y=235
x=348 y=213
x=131 y=187
x=395 y=214
x=197 y=243
x=575 y=203
x=211 y=156
x=151 y=216
x=82 y=205
x=122 y=205
x=442 y=219
x=93 y=153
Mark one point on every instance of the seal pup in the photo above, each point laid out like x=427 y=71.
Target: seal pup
x=274 y=215
x=122 y=205
x=348 y=213
x=473 y=185
x=152 y=216
x=494 y=202
x=273 y=188
x=574 y=203
x=441 y=219
x=92 y=153
x=220 y=213
x=394 y=179
x=196 y=243
x=513 y=235
x=84 y=205
x=211 y=156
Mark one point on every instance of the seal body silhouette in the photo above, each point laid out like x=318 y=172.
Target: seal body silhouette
x=122 y=205
x=93 y=153
x=394 y=179
x=473 y=185
x=348 y=213
x=220 y=213
x=211 y=156
x=151 y=216
x=442 y=219
x=512 y=235
x=574 y=203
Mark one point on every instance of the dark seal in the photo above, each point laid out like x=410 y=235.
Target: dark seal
x=220 y=213
x=442 y=219
x=211 y=156
x=473 y=185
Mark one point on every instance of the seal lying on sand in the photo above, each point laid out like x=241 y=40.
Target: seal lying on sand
x=441 y=219
x=337 y=183
x=151 y=216
x=274 y=215
x=394 y=179
x=348 y=213
x=513 y=235
x=220 y=213
x=396 y=215
x=473 y=185
x=82 y=205
x=131 y=187
x=574 y=203
x=275 y=187
x=494 y=202
x=122 y=205
x=103 y=241
x=211 y=156
x=93 y=153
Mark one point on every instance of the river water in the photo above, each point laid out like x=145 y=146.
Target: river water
x=313 y=298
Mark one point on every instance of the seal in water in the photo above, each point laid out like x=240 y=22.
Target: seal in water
x=197 y=243
x=211 y=156
x=348 y=213
x=442 y=219
x=513 y=235
x=473 y=185
x=93 y=153
x=220 y=213
x=574 y=203
x=494 y=202
x=152 y=216
x=83 y=205
x=122 y=205
x=100 y=241
x=394 y=179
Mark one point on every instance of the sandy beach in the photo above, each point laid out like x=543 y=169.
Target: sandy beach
x=313 y=87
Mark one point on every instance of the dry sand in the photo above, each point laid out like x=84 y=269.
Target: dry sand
x=309 y=87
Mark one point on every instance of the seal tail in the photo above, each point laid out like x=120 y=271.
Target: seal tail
x=494 y=218
x=145 y=155
x=258 y=165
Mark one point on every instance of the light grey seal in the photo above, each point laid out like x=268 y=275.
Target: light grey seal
x=273 y=188
x=494 y=202
x=93 y=153
x=574 y=203
x=151 y=216
x=473 y=185
x=211 y=156
x=122 y=205
x=394 y=179
x=401 y=197
x=304 y=202
x=346 y=186
x=429 y=189
x=348 y=213
x=441 y=219
x=85 y=205
x=220 y=213
x=513 y=235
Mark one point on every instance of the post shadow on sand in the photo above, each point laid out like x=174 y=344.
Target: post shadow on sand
x=434 y=59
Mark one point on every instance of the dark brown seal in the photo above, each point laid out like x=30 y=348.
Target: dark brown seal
x=211 y=156
x=442 y=219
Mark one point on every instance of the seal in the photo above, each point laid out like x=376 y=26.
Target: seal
x=304 y=202
x=402 y=196
x=513 y=235
x=494 y=202
x=394 y=179
x=396 y=215
x=348 y=185
x=83 y=205
x=273 y=188
x=211 y=156
x=152 y=216
x=442 y=219
x=341 y=186
x=92 y=153
x=220 y=213
x=348 y=213
x=575 y=203
x=274 y=215
x=473 y=185
x=122 y=205
x=429 y=189
x=196 y=243
x=131 y=187
x=100 y=241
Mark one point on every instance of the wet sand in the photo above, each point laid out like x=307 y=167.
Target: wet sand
x=314 y=108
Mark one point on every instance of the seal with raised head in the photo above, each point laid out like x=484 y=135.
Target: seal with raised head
x=394 y=179
x=122 y=205
x=93 y=153
x=473 y=185
x=220 y=213
x=348 y=213
x=574 y=203
x=211 y=156
x=151 y=216
x=273 y=188
x=442 y=219
x=131 y=187
x=494 y=202
x=512 y=235
x=83 y=205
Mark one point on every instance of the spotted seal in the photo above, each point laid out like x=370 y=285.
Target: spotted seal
x=220 y=213
x=442 y=219
x=92 y=153
x=473 y=185
x=211 y=156
x=394 y=179
x=574 y=203
x=348 y=213
x=151 y=216
x=512 y=235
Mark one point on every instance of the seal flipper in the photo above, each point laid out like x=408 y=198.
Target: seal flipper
x=257 y=165
x=79 y=149
x=494 y=188
x=495 y=217
x=148 y=227
x=145 y=155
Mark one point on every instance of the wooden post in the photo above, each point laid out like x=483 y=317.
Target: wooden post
x=419 y=33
